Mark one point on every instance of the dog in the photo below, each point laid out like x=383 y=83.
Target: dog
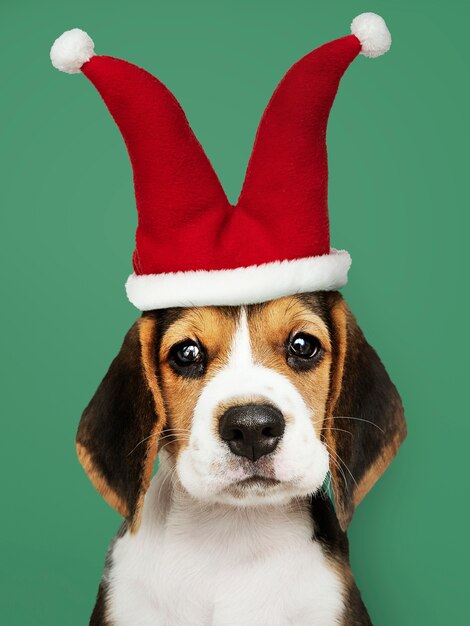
x=246 y=374
x=251 y=410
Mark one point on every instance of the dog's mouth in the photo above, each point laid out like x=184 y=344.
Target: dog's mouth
x=255 y=489
x=254 y=485
x=246 y=474
x=255 y=480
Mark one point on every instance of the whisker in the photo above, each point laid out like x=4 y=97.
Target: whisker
x=334 y=458
x=344 y=464
x=344 y=417
x=358 y=419
x=340 y=460
x=160 y=437
x=177 y=430
x=329 y=484
x=140 y=442
x=168 y=443
x=165 y=478
x=340 y=429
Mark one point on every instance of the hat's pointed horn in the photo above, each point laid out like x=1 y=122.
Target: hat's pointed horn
x=287 y=175
x=174 y=181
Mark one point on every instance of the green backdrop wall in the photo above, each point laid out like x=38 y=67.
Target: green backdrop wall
x=399 y=204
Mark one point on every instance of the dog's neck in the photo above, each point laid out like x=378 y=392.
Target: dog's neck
x=254 y=529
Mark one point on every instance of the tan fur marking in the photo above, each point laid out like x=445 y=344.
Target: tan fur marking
x=378 y=468
x=100 y=484
x=146 y=327
x=338 y=316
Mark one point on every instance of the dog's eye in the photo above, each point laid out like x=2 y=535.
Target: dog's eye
x=186 y=353
x=187 y=358
x=303 y=348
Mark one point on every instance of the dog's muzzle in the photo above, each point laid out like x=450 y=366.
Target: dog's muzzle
x=252 y=430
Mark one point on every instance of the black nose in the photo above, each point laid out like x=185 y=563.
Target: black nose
x=252 y=430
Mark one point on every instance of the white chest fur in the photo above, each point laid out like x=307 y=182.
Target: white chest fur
x=217 y=565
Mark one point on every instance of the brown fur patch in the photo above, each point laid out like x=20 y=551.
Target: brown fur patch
x=338 y=319
x=99 y=482
x=339 y=348
x=147 y=329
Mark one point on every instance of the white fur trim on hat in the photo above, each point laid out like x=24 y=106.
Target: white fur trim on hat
x=243 y=285
x=372 y=32
x=71 y=50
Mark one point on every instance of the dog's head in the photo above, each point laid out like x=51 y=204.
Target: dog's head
x=255 y=404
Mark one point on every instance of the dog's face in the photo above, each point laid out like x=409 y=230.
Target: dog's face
x=246 y=392
x=254 y=403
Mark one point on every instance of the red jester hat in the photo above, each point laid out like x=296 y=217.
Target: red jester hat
x=193 y=248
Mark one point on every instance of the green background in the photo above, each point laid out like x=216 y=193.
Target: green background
x=398 y=203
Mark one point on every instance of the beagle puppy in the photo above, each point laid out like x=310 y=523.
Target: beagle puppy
x=252 y=410
x=246 y=373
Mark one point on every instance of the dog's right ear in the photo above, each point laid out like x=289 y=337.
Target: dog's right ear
x=118 y=434
x=363 y=397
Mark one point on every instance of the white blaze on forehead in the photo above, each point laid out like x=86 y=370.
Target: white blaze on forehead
x=241 y=354
x=243 y=378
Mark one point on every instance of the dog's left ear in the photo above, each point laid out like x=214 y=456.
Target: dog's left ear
x=118 y=434
x=365 y=422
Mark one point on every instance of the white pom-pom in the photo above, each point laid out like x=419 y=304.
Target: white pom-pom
x=372 y=32
x=71 y=50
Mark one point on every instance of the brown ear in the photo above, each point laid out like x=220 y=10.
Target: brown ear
x=365 y=423
x=118 y=434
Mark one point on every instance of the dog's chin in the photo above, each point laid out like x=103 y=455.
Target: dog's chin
x=258 y=491
x=255 y=490
x=227 y=479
